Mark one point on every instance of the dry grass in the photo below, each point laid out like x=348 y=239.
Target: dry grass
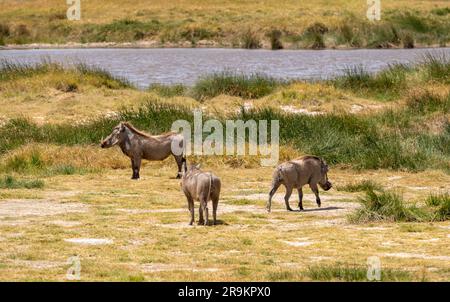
x=183 y=21
x=151 y=240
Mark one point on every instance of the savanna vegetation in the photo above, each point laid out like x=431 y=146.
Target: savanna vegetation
x=273 y=24
x=386 y=137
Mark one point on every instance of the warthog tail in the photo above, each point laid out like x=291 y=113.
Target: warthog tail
x=210 y=185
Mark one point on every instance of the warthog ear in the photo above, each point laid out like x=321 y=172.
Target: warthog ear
x=122 y=126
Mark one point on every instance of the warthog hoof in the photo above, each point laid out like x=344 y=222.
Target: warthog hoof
x=290 y=209
x=318 y=204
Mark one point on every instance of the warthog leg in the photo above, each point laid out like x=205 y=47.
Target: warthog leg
x=215 y=203
x=205 y=209
x=315 y=189
x=300 y=199
x=275 y=187
x=179 y=160
x=200 y=215
x=136 y=166
x=286 y=198
x=191 y=209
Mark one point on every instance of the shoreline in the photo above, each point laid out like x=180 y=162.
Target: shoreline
x=158 y=45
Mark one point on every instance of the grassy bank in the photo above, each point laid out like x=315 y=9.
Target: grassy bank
x=289 y=24
x=413 y=133
x=389 y=139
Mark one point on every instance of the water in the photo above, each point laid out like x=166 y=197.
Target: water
x=185 y=65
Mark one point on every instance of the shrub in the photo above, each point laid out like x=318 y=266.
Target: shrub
x=5 y=30
x=314 y=33
x=383 y=36
x=408 y=40
x=250 y=40
x=275 y=39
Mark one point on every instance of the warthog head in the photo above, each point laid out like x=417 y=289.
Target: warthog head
x=324 y=183
x=117 y=135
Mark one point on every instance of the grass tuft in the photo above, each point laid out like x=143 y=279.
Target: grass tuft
x=168 y=91
x=245 y=86
x=386 y=206
x=340 y=272
x=9 y=182
x=362 y=186
x=441 y=205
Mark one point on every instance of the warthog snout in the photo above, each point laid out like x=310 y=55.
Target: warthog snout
x=328 y=185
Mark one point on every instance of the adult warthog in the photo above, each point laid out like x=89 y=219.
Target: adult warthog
x=203 y=187
x=296 y=173
x=138 y=145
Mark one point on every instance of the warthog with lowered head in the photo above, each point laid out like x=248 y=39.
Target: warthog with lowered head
x=138 y=145
x=296 y=173
x=203 y=187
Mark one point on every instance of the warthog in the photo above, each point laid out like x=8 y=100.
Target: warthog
x=203 y=187
x=296 y=173
x=138 y=145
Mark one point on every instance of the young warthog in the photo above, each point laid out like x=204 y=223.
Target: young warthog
x=296 y=173
x=201 y=186
x=138 y=145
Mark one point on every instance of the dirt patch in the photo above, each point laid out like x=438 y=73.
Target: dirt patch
x=163 y=267
x=420 y=256
x=145 y=211
x=89 y=241
x=34 y=207
x=64 y=223
x=295 y=110
x=300 y=242
x=279 y=197
x=37 y=264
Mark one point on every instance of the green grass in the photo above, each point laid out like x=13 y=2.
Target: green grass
x=250 y=40
x=245 y=86
x=9 y=182
x=383 y=140
x=391 y=82
x=384 y=206
x=441 y=11
x=389 y=206
x=386 y=84
x=34 y=164
x=441 y=205
x=10 y=70
x=425 y=101
x=340 y=272
x=168 y=90
x=365 y=185
x=436 y=67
